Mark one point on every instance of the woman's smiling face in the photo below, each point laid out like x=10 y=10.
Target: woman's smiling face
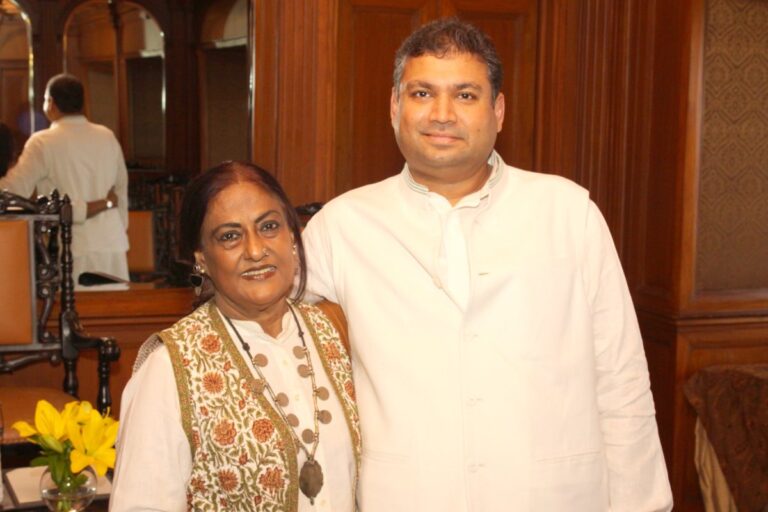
x=246 y=249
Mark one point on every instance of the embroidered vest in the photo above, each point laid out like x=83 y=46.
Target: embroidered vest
x=243 y=455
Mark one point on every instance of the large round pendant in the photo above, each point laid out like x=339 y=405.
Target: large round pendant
x=311 y=479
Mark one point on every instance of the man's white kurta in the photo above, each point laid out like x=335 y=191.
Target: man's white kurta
x=82 y=160
x=529 y=394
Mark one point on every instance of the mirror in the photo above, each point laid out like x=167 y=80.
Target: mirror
x=224 y=83
x=16 y=96
x=116 y=50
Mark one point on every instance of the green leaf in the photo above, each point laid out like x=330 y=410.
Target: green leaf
x=51 y=443
x=42 y=460
x=79 y=480
x=58 y=471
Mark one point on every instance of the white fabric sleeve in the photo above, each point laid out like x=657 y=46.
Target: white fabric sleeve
x=154 y=462
x=30 y=169
x=121 y=186
x=320 y=279
x=637 y=474
x=79 y=211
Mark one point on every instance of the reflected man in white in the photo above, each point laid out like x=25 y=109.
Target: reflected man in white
x=84 y=161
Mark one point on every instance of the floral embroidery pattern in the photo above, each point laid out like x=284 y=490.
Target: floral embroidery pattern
x=224 y=433
x=228 y=480
x=213 y=382
x=262 y=430
x=210 y=344
x=331 y=351
x=272 y=479
x=350 y=389
x=243 y=456
x=197 y=485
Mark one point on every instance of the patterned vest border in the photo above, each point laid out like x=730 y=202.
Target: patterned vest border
x=243 y=455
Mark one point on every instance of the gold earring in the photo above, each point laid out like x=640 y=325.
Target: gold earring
x=197 y=277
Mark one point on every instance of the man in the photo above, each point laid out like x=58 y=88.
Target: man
x=497 y=358
x=84 y=161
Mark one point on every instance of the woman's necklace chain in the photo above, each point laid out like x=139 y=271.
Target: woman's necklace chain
x=311 y=475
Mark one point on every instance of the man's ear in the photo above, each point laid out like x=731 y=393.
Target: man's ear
x=498 y=110
x=394 y=108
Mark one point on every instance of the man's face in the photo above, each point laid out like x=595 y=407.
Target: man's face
x=444 y=119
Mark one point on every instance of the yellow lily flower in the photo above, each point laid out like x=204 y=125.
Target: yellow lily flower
x=78 y=412
x=24 y=429
x=92 y=443
x=50 y=426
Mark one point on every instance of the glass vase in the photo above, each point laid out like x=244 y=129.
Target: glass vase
x=68 y=496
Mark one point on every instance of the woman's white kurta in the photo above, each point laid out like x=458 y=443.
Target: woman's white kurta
x=154 y=461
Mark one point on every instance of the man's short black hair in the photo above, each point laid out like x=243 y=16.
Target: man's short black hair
x=450 y=35
x=66 y=91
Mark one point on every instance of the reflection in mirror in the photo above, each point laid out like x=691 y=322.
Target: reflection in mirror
x=89 y=54
x=224 y=83
x=15 y=83
x=116 y=49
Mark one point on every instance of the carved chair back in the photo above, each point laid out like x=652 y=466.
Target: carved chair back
x=35 y=271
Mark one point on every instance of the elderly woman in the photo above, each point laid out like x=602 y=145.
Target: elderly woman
x=247 y=403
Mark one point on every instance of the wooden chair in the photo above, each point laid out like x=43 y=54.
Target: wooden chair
x=36 y=264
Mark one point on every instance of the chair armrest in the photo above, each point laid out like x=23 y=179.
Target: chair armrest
x=74 y=340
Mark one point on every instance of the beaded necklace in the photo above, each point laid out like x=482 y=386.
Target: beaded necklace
x=311 y=474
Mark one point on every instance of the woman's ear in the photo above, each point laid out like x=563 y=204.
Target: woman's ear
x=200 y=260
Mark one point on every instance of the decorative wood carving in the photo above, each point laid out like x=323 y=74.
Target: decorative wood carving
x=52 y=219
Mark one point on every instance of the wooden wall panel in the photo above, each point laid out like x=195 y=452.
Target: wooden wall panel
x=302 y=121
x=264 y=36
x=593 y=92
x=369 y=34
x=657 y=238
x=513 y=27
x=556 y=85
